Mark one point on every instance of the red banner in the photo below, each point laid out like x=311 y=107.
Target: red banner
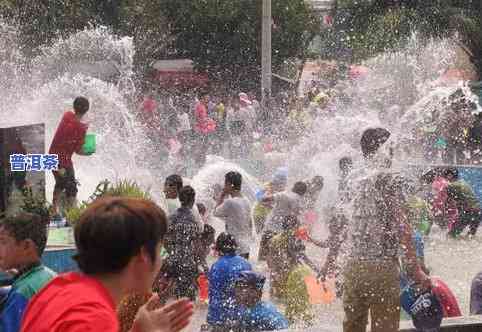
x=184 y=79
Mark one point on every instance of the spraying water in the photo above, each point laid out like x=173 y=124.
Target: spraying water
x=72 y=67
x=68 y=68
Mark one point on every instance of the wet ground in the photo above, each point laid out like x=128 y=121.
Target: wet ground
x=455 y=261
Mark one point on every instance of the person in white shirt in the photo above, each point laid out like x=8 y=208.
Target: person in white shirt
x=286 y=203
x=172 y=186
x=247 y=112
x=235 y=211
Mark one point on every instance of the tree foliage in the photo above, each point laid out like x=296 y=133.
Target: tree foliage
x=41 y=21
x=145 y=22
x=377 y=25
x=224 y=37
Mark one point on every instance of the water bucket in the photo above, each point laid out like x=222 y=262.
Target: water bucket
x=203 y=283
x=320 y=292
x=89 y=144
x=302 y=234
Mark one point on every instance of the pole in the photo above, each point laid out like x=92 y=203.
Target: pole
x=266 y=52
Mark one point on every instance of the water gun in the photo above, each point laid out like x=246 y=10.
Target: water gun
x=203 y=284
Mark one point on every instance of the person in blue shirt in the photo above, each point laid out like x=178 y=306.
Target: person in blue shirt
x=22 y=241
x=223 y=311
x=257 y=315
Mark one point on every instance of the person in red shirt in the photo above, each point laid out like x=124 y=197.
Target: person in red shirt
x=203 y=127
x=68 y=139
x=118 y=244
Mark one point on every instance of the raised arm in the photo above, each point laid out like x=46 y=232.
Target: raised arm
x=409 y=257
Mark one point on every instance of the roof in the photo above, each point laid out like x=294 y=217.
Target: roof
x=321 y=5
x=178 y=65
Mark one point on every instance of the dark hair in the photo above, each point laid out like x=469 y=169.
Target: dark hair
x=114 y=229
x=175 y=180
x=317 y=180
x=235 y=179
x=453 y=193
x=226 y=244
x=208 y=234
x=428 y=176
x=300 y=188
x=203 y=93
x=372 y=139
x=27 y=226
x=187 y=196
x=345 y=162
x=451 y=171
x=81 y=105
x=201 y=208
x=290 y=223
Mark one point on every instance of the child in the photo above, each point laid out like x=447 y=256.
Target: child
x=206 y=239
x=262 y=208
x=462 y=196
x=235 y=210
x=172 y=187
x=222 y=311
x=287 y=203
x=22 y=242
x=203 y=212
x=258 y=315
x=180 y=243
x=69 y=138
x=287 y=254
x=203 y=248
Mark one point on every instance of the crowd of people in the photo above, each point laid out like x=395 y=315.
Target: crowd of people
x=140 y=267
x=237 y=127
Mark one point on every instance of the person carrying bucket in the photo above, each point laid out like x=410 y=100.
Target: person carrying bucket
x=69 y=138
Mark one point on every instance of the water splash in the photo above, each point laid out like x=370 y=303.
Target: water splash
x=213 y=172
x=49 y=88
x=399 y=87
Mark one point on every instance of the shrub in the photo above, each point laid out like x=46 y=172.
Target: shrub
x=123 y=188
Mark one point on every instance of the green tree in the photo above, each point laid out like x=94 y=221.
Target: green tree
x=41 y=20
x=224 y=37
x=377 y=25
x=145 y=22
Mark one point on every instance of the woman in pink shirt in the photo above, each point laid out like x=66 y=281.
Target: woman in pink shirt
x=203 y=127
